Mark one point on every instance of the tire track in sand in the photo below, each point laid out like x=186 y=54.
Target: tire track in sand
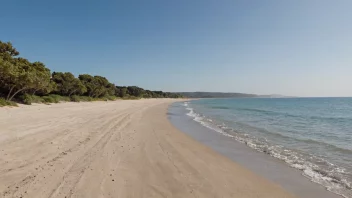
x=20 y=188
x=76 y=171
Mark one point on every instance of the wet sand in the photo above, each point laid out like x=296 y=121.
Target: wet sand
x=262 y=164
x=114 y=149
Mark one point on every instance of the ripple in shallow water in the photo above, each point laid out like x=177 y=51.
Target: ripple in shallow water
x=326 y=165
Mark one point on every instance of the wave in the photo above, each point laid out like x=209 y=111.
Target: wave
x=257 y=110
x=199 y=118
x=219 y=107
x=269 y=112
x=317 y=169
x=328 y=146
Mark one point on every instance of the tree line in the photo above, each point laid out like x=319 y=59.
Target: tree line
x=22 y=80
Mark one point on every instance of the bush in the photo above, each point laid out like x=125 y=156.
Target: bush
x=97 y=99
x=59 y=98
x=86 y=98
x=29 y=99
x=131 y=98
x=26 y=99
x=75 y=99
x=105 y=98
x=81 y=98
x=3 y=102
x=49 y=99
x=108 y=98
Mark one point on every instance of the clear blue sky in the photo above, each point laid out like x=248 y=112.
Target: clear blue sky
x=300 y=48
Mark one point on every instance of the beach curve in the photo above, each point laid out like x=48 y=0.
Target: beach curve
x=113 y=149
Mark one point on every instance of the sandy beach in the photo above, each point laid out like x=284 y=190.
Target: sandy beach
x=113 y=149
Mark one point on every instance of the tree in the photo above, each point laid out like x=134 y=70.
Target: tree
x=102 y=85
x=88 y=81
x=148 y=94
x=121 y=91
x=97 y=86
x=7 y=51
x=42 y=82
x=158 y=94
x=67 y=84
x=9 y=73
x=19 y=75
x=111 y=90
x=135 y=91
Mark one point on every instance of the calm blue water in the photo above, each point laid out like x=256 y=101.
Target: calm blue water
x=311 y=134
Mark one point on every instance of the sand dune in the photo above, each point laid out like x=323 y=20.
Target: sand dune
x=113 y=149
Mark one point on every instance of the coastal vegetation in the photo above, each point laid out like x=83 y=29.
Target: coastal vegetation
x=32 y=82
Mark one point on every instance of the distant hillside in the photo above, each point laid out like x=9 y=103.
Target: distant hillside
x=216 y=95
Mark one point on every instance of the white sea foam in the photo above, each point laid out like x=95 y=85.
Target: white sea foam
x=310 y=170
x=198 y=118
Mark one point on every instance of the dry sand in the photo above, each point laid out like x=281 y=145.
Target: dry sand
x=113 y=149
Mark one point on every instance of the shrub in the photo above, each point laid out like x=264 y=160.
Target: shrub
x=37 y=99
x=75 y=98
x=86 y=98
x=111 y=98
x=26 y=99
x=59 y=98
x=82 y=99
x=131 y=98
x=48 y=99
x=29 y=99
x=97 y=99
x=3 y=102
x=106 y=98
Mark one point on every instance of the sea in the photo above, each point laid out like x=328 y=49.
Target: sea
x=312 y=135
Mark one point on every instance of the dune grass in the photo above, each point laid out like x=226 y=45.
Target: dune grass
x=4 y=102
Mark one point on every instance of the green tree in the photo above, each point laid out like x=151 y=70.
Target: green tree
x=88 y=82
x=8 y=71
x=18 y=75
x=97 y=86
x=42 y=83
x=135 y=91
x=67 y=84
x=121 y=91
x=158 y=94
x=7 y=51
x=111 y=90
x=102 y=85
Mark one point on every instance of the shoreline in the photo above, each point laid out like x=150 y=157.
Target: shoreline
x=118 y=149
x=266 y=166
